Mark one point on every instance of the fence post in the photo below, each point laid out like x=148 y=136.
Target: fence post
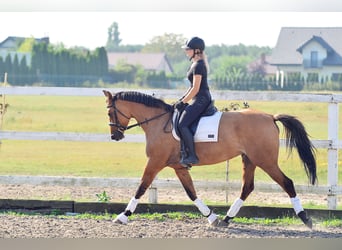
x=332 y=153
x=153 y=193
x=227 y=180
x=3 y=105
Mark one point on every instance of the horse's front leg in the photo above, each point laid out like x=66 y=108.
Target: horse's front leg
x=186 y=180
x=150 y=173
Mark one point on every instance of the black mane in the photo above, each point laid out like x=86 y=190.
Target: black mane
x=148 y=100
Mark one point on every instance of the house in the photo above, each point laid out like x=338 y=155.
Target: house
x=156 y=62
x=11 y=44
x=314 y=53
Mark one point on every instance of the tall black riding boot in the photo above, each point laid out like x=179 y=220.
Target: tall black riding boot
x=189 y=145
x=183 y=152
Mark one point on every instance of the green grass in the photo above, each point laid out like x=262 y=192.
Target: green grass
x=285 y=221
x=181 y=216
x=113 y=159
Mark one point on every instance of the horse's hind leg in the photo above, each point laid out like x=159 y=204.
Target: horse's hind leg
x=186 y=180
x=246 y=189
x=287 y=184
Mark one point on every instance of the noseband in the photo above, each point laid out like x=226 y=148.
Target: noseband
x=117 y=124
x=119 y=133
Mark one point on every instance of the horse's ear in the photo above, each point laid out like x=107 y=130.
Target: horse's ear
x=107 y=94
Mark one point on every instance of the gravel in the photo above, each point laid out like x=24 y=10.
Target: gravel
x=39 y=226
x=13 y=226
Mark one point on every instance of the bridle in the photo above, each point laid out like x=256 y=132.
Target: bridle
x=118 y=134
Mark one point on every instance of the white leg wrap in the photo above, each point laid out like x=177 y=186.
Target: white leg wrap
x=297 y=206
x=212 y=217
x=132 y=205
x=121 y=218
x=235 y=207
x=202 y=207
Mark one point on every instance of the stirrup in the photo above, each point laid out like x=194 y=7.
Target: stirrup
x=187 y=166
x=190 y=160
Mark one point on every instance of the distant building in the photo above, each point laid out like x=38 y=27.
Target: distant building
x=156 y=62
x=11 y=44
x=315 y=53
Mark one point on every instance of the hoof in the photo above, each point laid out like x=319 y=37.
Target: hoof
x=121 y=219
x=308 y=223
x=215 y=222
x=222 y=223
x=306 y=220
x=213 y=219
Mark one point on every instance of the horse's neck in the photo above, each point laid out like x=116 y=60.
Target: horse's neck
x=142 y=113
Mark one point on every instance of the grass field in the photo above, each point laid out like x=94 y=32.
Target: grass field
x=118 y=159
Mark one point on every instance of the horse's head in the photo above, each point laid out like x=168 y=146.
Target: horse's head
x=118 y=121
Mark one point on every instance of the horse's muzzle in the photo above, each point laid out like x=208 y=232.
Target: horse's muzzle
x=117 y=135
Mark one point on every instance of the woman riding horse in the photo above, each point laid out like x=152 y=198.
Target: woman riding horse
x=198 y=95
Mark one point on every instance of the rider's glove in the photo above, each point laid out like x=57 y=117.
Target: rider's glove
x=180 y=106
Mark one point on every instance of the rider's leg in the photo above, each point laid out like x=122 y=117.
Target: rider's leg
x=189 y=145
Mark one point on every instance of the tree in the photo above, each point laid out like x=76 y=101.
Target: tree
x=8 y=64
x=123 y=72
x=40 y=59
x=2 y=67
x=229 y=69
x=102 y=61
x=23 y=68
x=170 y=44
x=113 y=41
x=27 y=45
x=258 y=67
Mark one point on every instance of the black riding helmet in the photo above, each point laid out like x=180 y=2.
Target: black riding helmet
x=194 y=43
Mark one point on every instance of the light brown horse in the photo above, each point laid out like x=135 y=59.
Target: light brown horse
x=251 y=134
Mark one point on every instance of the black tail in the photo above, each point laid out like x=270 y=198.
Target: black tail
x=296 y=136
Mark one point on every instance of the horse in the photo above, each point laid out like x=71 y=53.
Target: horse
x=251 y=134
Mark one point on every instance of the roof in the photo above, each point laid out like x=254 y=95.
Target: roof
x=319 y=40
x=12 y=42
x=150 y=61
x=292 y=40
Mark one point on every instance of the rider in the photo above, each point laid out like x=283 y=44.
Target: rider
x=195 y=100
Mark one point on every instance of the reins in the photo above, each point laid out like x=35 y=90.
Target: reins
x=123 y=128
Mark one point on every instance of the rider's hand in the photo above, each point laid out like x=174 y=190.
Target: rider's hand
x=180 y=106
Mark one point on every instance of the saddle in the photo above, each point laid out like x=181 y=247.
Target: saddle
x=204 y=128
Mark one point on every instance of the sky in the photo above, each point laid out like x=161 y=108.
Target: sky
x=88 y=27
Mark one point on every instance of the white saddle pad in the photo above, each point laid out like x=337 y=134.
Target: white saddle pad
x=207 y=129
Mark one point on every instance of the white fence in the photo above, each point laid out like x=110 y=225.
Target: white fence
x=332 y=144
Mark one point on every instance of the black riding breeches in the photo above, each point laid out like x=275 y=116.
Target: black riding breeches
x=193 y=111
